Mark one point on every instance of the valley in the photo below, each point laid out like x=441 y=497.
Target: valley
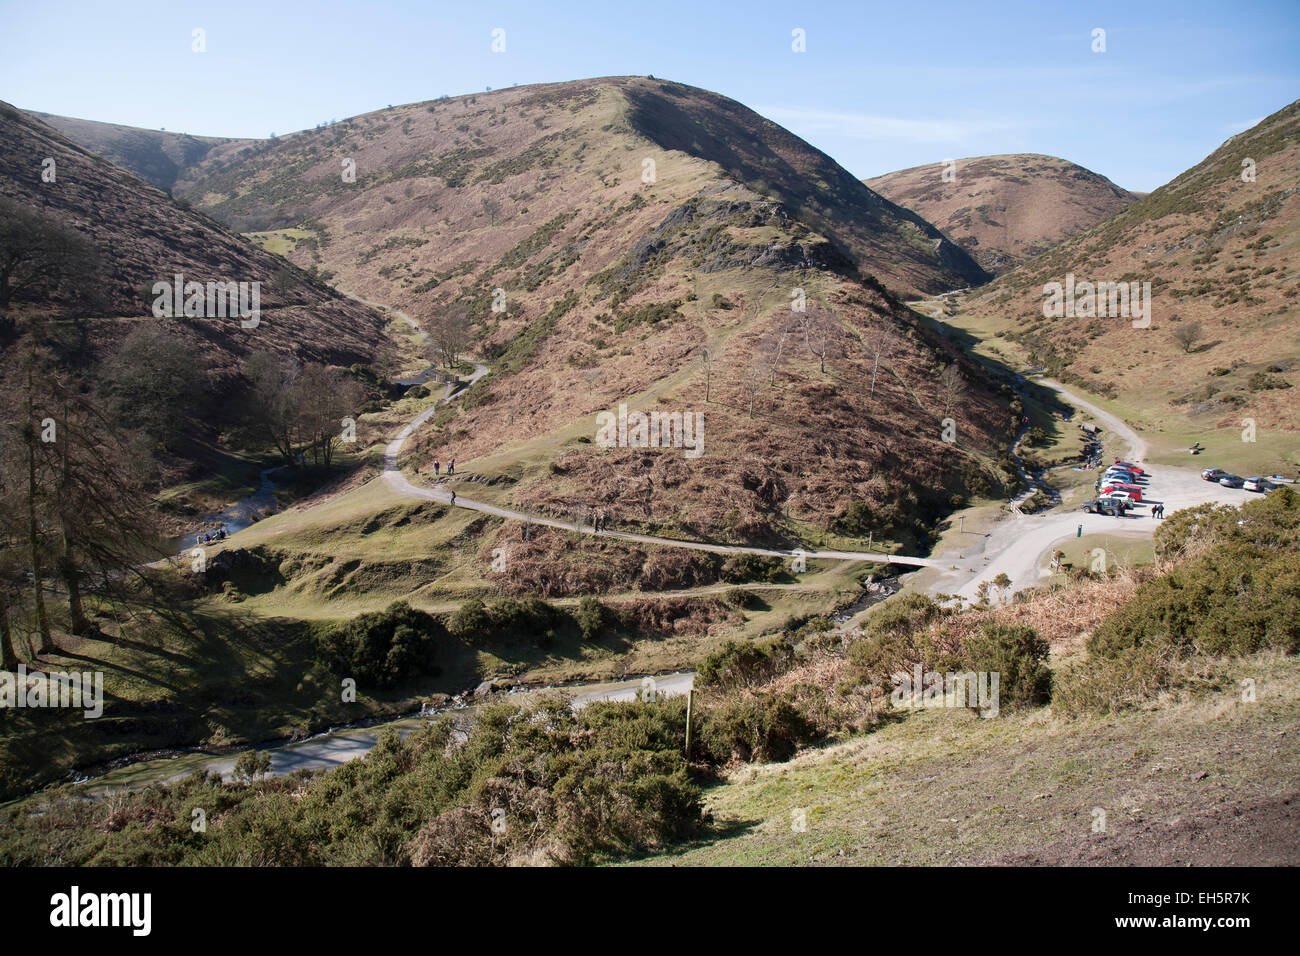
x=566 y=474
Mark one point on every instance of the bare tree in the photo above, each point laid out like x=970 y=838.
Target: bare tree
x=708 y=372
x=492 y=208
x=449 y=333
x=754 y=380
x=326 y=397
x=1187 y=335
x=952 y=386
x=881 y=345
x=772 y=351
x=818 y=335
x=272 y=400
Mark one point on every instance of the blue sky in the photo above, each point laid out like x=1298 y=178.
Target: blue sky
x=881 y=86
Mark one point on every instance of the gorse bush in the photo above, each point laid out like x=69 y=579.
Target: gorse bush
x=383 y=648
x=1233 y=590
x=1018 y=656
x=1239 y=595
x=593 y=618
x=895 y=637
x=529 y=784
x=755 y=727
x=530 y=620
x=741 y=568
x=741 y=663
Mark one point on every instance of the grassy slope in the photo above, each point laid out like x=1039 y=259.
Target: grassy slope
x=1217 y=251
x=940 y=787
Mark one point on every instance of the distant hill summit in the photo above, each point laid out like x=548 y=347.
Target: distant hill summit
x=156 y=156
x=1220 y=247
x=1004 y=210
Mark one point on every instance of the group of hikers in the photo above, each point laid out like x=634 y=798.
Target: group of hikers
x=451 y=467
x=212 y=535
x=1157 y=511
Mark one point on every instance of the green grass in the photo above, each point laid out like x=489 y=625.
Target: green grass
x=281 y=241
x=1122 y=550
x=939 y=787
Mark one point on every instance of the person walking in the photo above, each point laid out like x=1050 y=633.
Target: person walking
x=451 y=467
x=453 y=497
x=437 y=468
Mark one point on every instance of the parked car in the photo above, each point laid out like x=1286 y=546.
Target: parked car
x=1213 y=474
x=1257 y=484
x=1231 y=481
x=1130 y=466
x=1128 y=476
x=1131 y=490
x=1106 y=506
x=1279 y=479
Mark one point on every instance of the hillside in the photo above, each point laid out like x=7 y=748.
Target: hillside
x=141 y=236
x=592 y=136
x=156 y=156
x=1221 y=255
x=629 y=224
x=1004 y=210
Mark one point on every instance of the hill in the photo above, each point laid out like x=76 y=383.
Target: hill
x=594 y=137
x=156 y=156
x=1218 y=246
x=142 y=236
x=621 y=227
x=1004 y=210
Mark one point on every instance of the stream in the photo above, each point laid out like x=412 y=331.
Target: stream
x=338 y=745
x=242 y=514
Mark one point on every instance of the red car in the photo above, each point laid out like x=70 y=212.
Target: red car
x=1134 y=491
x=1136 y=469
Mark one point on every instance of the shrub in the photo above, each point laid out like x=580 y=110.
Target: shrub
x=741 y=663
x=763 y=727
x=592 y=618
x=530 y=620
x=740 y=599
x=895 y=637
x=383 y=648
x=1019 y=656
x=471 y=622
x=252 y=764
x=741 y=568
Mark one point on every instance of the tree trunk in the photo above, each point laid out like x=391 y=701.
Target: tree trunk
x=67 y=563
x=72 y=579
x=33 y=537
x=8 y=657
x=33 y=540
